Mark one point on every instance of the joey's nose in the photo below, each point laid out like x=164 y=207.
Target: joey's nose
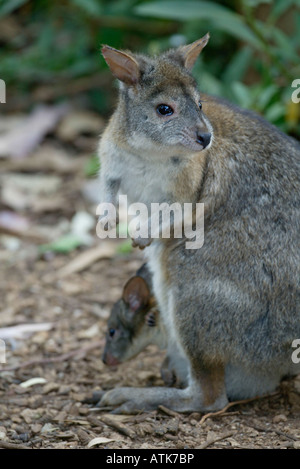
x=203 y=139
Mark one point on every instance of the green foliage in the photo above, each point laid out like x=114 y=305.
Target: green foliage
x=92 y=166
x=251 y=61
x=252 y=57
x=125 y=247
x=191 y=10
x=8 y=7
x=63 y=245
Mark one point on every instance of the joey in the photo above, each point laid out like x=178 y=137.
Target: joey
x=135 y=323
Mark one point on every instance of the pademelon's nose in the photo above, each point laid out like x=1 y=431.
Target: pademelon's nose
x=203 y=139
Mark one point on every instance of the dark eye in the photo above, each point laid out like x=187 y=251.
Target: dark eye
x=164 y=110
x=111 y=332
x=200 y=105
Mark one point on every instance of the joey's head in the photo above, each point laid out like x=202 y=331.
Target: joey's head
x=160 y=106
x=129 y=328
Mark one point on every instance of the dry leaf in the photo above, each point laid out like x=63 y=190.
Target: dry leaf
x=12 y=222
x=79 y=122
x=2 y=433
x=20 y=191
x=32 y=382
x=47 y=158
x=99 y=441
x=47 y=204
x=23 y=330
x=88 y=257
x=49 y=428
x=118 y=417
x=23 y=138
x=33 y=183
x=89 y=333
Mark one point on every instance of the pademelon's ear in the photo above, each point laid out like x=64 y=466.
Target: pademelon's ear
x=190 y=52
x=122 y=65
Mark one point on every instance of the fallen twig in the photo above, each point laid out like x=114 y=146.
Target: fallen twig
x=9 y=445
x=59 y=358
x=231 y=404
x=117 y=426
x=167 y=411
x=273 y=430
x=136 y=419
x=213 y=440
x=286 y=444
x=85 y=259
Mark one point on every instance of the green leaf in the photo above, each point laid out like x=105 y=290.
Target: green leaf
x=7 y=7
x=221 y=17
x=242 y=94
x=275 y=112
x=90 y=7
x=210 y=84
x=283 y=42
x=92 y=166
x=64 y=245
x=125 y=247
x=265 y=96
x=255 y=3
x=238 y=66
x=279 y=7
x=181 y=11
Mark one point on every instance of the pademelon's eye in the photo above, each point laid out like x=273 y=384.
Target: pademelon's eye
x=111 y=332
x=200 y=105
x=164 y=110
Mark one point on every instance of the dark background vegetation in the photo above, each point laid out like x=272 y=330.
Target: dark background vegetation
x=50 y=49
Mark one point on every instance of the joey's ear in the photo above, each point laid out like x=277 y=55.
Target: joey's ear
x=190 y=52
x=136 y=293
x=122 y=65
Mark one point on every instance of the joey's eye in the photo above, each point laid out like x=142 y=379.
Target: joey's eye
x=164 y=110
x=200 y=105
x=111 y=332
